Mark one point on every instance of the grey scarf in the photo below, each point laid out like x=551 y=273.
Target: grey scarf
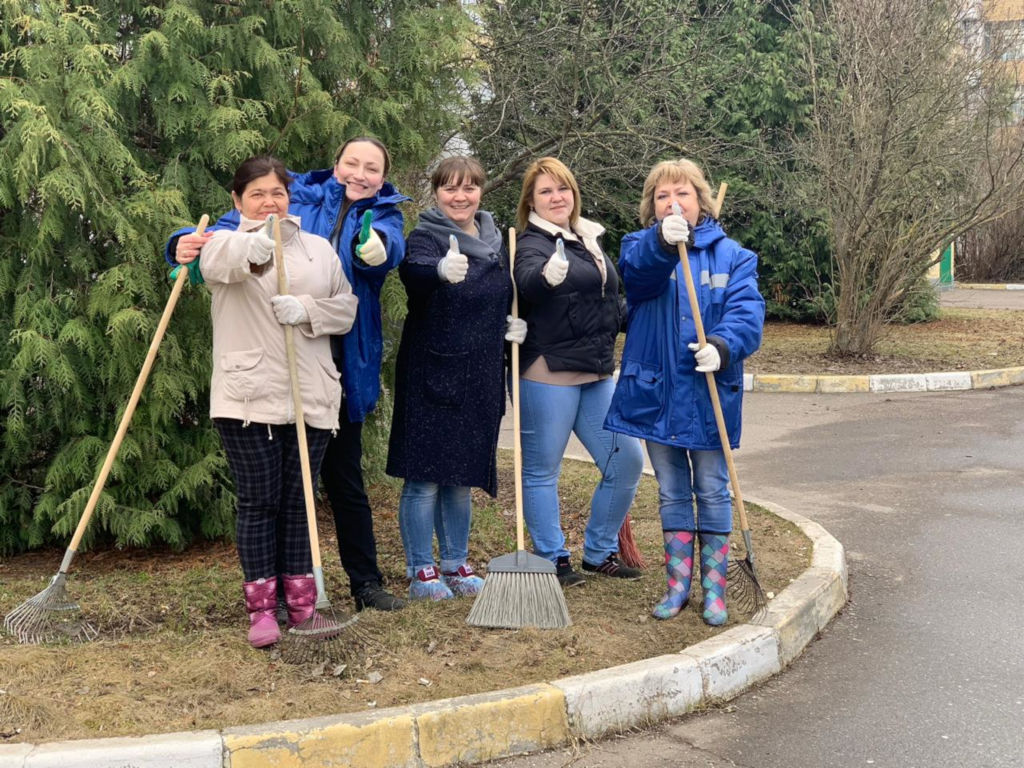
x=486 y=245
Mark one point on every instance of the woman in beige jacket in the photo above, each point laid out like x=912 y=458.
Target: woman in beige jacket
x=250 y=400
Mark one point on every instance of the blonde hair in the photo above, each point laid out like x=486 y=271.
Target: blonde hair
x=557 y=170
x=671 y=172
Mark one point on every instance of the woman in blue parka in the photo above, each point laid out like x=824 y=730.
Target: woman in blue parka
x=331 y=203
x=662 y=393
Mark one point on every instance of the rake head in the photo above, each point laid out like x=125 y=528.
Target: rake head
x=49 y=617
x=744 y=590
x=324 y=637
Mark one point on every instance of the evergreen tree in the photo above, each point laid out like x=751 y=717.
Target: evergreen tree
x=120 y=121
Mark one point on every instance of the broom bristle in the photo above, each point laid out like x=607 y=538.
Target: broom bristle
x=628 y=550
x=49 y=617
x=511 y=600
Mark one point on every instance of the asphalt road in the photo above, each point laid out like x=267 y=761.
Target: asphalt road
x=925 y=666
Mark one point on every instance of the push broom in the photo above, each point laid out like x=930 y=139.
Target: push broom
x=521 y=588
x=323 y=636
x=744 y=589
x=51 y=615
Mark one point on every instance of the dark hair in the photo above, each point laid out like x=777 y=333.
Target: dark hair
x=457 y=169
x=369 y=140
x=257 y=167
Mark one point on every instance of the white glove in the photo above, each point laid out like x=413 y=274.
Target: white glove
x=258 y=247
x=557 y=267
x=454 y=266
x=515 y=331
x=707 y=357
x=289 y=310
x=372 y=251
x=675 y=229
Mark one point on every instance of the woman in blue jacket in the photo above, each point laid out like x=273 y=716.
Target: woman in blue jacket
x=662 y=394
x=331 y=203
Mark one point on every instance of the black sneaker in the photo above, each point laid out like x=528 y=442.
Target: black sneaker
x=611 y=567
x=373 y=595
x=567 y=577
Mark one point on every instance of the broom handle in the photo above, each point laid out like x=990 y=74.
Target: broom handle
x=517 y=448
x=300 y=423
x=716 y=403
x=129 y=410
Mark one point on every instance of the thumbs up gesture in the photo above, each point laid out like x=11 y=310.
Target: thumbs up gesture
x=370 y=248
x=557 y=266
x=454 y=266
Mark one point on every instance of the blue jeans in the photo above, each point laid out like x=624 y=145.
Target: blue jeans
x=550 y=413
x=426 y=508
x=683 y=474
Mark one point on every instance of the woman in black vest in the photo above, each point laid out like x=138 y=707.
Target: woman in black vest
x=569 y=297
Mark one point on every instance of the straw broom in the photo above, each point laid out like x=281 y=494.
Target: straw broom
x=521 y=589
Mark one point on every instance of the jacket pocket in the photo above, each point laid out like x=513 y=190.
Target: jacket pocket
x=330 y=385
x=640 y=392
x=244 y=373
x=444 y=378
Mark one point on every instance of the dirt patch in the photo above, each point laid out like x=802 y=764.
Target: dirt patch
x=961 y=340
x=172 y=653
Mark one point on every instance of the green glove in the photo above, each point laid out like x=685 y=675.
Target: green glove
x=364 y=232
x=195 y=277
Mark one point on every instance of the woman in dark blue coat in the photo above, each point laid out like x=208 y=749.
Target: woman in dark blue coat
x=449 y=383
x=662 y=393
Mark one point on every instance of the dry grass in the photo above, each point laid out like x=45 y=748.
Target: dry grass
x=173 y=655
x=961 y=340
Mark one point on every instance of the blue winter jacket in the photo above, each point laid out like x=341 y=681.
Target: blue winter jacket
x=317 y=198
x=659 y=395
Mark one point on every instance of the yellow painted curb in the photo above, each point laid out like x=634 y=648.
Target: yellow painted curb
x=999 y=377
x=359 y=741
x=838 y=384
x=468 y=729
x=477 y=728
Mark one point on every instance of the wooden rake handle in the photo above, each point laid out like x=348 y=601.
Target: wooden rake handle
x=716 y=403
x=300 y=422
x=133 y=401
x=517 y=447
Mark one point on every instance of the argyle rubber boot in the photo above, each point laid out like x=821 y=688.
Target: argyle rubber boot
x=714 y=566
x=678 y=572
x=300 y=595
x=261 y=603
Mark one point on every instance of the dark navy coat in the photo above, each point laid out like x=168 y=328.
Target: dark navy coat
x=659 y=395
x=449 y=382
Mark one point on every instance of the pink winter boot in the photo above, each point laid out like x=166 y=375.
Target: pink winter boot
x=300 y=594
x=261 y=603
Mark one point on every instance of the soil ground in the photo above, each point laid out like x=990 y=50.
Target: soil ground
x=172 y=653
x=960 y=340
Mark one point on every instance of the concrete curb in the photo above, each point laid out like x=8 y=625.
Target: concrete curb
x=481 y=727
x=990 y=286
x=884 y=382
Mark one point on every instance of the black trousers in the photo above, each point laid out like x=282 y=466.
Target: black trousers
x=342 y=476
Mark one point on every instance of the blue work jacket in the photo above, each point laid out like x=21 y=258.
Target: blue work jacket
x=317 y=198
x=659 y=395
